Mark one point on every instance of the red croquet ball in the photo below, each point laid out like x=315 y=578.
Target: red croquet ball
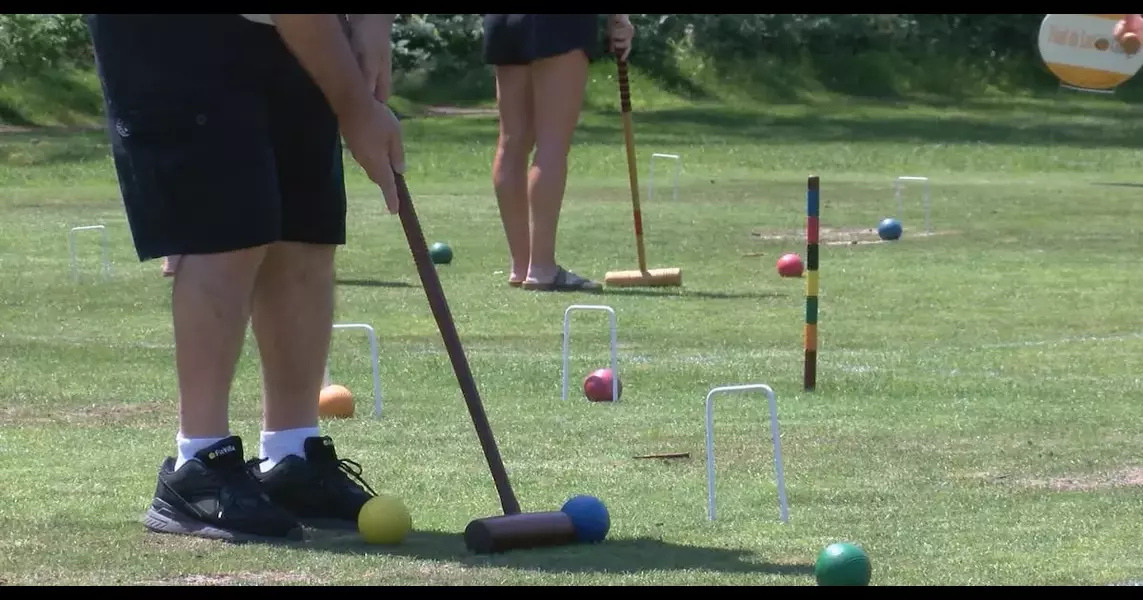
x=597 y=386
x=790 y=265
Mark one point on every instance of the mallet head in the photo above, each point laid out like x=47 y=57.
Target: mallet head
x=519 y=532
x=671 y=277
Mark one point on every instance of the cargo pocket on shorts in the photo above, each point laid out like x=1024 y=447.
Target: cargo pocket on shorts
x=179 y=155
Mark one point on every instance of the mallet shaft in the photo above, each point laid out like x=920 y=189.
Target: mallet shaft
x=439 y=305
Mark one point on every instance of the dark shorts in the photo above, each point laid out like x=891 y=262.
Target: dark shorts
x=221 y=141
x=523 y=39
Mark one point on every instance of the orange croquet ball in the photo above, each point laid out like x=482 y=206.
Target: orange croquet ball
x=335 y=402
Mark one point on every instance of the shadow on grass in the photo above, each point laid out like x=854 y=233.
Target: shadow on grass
x=690 y=294
x=616 y=556
x=55 y=146
x=1032 y=129
x=871 y=123
x=1116 y=184
x=374 y=283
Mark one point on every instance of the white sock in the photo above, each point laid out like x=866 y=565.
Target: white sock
x=188 y=447
x=277 y=445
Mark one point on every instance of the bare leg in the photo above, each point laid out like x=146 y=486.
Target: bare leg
x=170 y=265
x=293 y=320
x=211 y=306
x=558 y=87
x=510 y=166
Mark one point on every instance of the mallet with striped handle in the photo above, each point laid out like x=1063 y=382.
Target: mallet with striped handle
x=643 y=277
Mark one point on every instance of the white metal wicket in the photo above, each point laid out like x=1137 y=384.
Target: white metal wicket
x=779 y=470
x=375 y=355
x=612 y=321
x=898 y=186
x=106 y=260
x=651 y=175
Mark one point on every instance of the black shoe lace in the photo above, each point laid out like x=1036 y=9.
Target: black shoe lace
x=245 y=491
x=350 y=472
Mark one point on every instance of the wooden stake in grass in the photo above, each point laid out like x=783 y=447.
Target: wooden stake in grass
x=813 y=228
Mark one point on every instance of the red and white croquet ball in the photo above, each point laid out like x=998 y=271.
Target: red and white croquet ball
x=790 y=265
x=597 y=386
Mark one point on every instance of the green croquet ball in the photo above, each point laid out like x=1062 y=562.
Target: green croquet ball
x=440 y=253
x=843 y=564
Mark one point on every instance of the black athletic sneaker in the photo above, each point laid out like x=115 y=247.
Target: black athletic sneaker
x=321 y=490
x=215 y=495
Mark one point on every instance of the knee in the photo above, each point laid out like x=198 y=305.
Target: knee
x=552 y=155
x=513 y=149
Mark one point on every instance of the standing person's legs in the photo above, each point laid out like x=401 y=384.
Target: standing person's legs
x=196 y=168
x=510 y=166
x=503 y=43
x=293 y=307
x=558 y=85
x=558 y=51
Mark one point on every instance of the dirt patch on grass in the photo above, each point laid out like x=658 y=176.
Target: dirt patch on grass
x=111 y=413
x=456 y=111
x=837 y=236
x=262 y=578
x=1084 y=483
x=1130 y=477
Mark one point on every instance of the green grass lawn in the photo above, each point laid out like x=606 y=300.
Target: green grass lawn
x=977 y=419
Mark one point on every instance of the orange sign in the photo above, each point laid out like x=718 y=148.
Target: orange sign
x=1081 y=52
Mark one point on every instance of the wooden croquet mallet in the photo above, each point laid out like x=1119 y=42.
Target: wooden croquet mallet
x=514 y=530
x=643 y=277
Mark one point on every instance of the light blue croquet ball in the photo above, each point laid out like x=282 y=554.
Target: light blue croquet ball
x=590 y=518
x=889 y=229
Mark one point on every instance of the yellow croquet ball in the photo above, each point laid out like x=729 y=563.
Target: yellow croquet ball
x=384 y=520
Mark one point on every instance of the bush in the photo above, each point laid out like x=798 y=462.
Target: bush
x=446 y=47
x=31 y=43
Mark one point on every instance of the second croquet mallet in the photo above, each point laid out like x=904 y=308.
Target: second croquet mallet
x=643 y=277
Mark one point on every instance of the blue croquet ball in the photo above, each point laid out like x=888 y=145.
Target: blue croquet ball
x=889 y=229
x=440 y=253
x=589 y=517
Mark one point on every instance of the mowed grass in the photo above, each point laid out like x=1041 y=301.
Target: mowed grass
x=976 y=420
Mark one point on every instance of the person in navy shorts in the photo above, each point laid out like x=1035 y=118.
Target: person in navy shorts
x=226 y=132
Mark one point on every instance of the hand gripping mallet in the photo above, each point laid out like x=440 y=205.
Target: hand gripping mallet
x=642 y=277
x=514 y=530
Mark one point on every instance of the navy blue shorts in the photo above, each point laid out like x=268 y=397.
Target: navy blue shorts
x=524 y=39
x=221 y=141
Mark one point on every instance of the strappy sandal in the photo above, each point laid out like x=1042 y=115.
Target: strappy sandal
x=565 y=281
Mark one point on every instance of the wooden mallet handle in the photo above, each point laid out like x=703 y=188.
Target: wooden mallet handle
x=431 y=283
x=632 y=169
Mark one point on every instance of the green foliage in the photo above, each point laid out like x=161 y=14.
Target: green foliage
x=37 y=42
x=767 y=57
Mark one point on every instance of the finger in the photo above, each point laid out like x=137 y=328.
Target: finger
x=388 y=184
x=626 y=51
x=371 y=80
